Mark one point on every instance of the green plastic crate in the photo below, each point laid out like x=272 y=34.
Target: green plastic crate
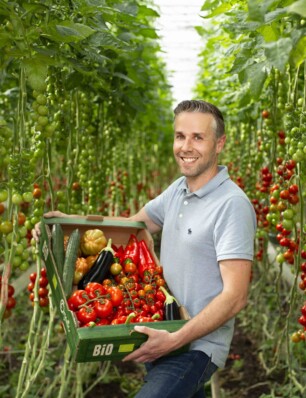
x=100 y=343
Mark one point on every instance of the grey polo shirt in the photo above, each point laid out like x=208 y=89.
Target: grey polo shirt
x=199 y=229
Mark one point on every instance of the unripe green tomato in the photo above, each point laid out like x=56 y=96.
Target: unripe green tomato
x=288 y=224
x=34 y=220
x=19 y=249
x=24 y=266
x=27 y=197
x=41 y=99
x=42 y=110
x=17 y=199
x=28 y=225
x=280 y=258
x=288 y=214
x=25 y=255
x=6 y=227
x=43 y=120
x=16 y=261
x=298 y=156
x=23 y=231
x=10 y=237
x=38 y=212
x=24 y=242
x=3 y=195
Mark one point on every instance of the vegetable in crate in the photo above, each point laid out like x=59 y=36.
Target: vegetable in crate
x=58 y=247
x=146 y=260
x=92 y=242
x=131 y=251
x=70 y=259
x=101 y=267
x=171 y=307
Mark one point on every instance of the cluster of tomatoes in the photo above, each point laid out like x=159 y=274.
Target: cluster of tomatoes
x=43 y=291
x=123 y=298
x=11 y=302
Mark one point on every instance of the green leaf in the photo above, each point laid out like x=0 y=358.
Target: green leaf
x=68 y=32
x=150 y=33
x=36 y=69
x=75 y=30
x=147 y=12
x=275 y=15
x=299 y=7
x=298 y=54
x=242 y=60
x=256 y=10
x=256 y=75
x=278 y=52
x=124 y=77
x=105 y=39
x=221 y=9
x=209 y=4
x=269 y=32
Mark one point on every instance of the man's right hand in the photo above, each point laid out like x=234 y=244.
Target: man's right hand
x=50 y=214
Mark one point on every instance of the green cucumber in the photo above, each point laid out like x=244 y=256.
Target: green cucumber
x=70 y=259
x=58 y=248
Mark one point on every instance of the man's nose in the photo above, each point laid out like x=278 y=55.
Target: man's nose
x=186 y=145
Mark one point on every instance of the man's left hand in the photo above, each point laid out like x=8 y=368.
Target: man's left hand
x=159 y=343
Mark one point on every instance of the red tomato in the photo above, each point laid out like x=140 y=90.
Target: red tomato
x=10 y=290
x=30 y=286
x=103 y=308
x=86 y=314
x=11 y=302
x=95 y=289
x=33 y=277
x=103 y=322
x=78 y=297
x=130 y=268
x=43 y=281
x=293 y=189
x=116 y=295
x=36 y=193
x=43 y=292
x=284 y=194
x=43 y=301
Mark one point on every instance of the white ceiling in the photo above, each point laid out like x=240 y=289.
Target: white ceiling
x=180 y=42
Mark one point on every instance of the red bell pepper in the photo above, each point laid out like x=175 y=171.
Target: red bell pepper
x=131 y=251
x=146 y=260
x=119 y=253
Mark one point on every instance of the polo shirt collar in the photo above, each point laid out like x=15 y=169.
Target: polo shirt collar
x=210 y=186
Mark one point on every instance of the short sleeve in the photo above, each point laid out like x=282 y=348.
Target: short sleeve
x=235 y=229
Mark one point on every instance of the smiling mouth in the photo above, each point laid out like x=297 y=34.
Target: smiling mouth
x=189 y=159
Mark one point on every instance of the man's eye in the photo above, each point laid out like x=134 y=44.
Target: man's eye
x=198 y=138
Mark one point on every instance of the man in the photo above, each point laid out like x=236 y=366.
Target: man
x=208 y=227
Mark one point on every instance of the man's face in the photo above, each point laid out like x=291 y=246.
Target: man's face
x=195 y=144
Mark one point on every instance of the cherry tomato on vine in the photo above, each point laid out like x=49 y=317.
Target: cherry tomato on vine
x=37 y=193
x=103 y=308
x=86 y=314
x=95 y=289
x=116 y=295
x=78 y=298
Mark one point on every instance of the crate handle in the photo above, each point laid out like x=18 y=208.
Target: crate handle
x=93 y=217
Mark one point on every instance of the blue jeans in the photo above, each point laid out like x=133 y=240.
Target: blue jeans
x=178 y=376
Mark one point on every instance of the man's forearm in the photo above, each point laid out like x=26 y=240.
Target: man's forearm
x=224 y=307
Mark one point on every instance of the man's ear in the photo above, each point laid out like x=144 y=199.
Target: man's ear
x=220 y=143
